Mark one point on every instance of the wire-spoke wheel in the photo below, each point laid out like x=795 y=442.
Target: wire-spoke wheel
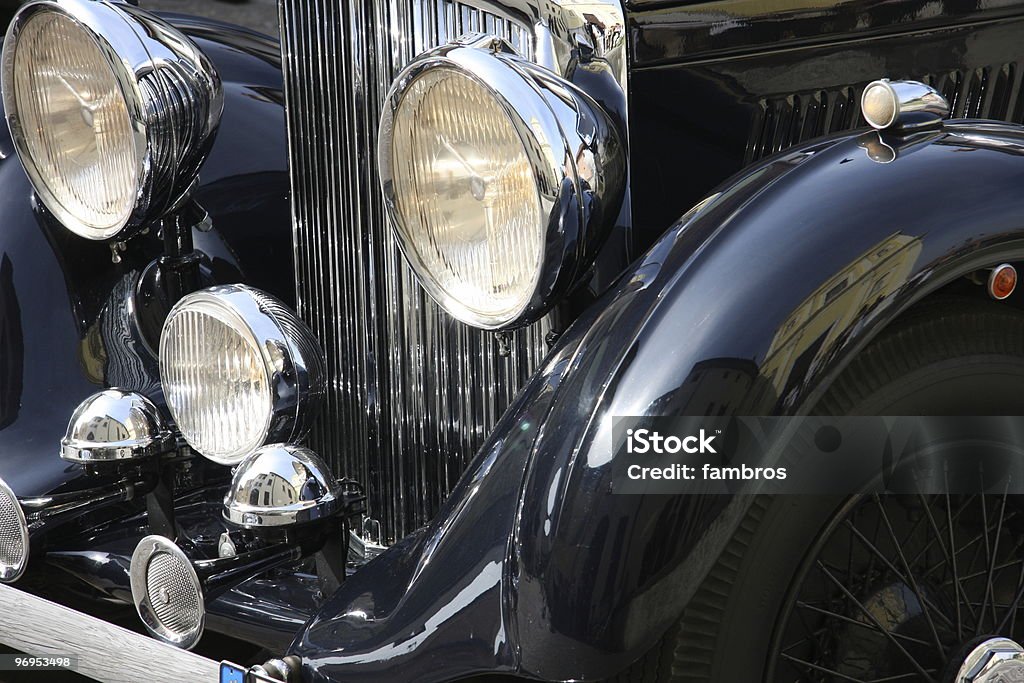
x=903 y=588
x=815 y=589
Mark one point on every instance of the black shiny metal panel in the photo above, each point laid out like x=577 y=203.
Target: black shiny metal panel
x=990 y=92
x=412 y=392
x=711 y=92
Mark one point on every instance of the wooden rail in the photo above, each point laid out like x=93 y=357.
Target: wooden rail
x=105 y=652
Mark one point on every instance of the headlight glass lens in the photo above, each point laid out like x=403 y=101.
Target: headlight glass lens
x=75 y=123
x=215 y=381
x=470 y=217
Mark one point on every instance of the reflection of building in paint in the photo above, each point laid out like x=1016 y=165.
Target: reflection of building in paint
x=717 y=387
x=833 y=307
x=12 y=346
x=112 y=352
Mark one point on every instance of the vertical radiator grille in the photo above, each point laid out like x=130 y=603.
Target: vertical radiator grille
x=412 y=392
x=991 y=92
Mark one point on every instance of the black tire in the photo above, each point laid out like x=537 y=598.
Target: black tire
x=946 y=357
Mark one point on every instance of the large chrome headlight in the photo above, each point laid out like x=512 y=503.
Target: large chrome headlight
x=500 y=178
x=112 y=111
x=239 y=370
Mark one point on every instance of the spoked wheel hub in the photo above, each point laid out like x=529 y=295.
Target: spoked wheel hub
x=915 y=589
x=996 y=660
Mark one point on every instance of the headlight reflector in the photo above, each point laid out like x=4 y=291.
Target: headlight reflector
x=472 y=213
x=62 y=82
x=501 y=180
x=238 y=370
x=111 y=109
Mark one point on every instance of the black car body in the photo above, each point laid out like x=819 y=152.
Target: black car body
x=763 y=238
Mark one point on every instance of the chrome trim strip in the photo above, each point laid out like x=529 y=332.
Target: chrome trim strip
x=105 y=652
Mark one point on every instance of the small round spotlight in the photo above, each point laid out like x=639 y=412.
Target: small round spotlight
x=115 y=425
x=167 y=593
x=14 y=542
x=879 y=104
x=281 y=485
x=902 y=104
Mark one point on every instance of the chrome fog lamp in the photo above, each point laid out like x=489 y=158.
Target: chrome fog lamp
x=167 y=593
x=115 y=425
x=14 y=536
x=281 y=485
x=239 y=370
x=111 y=109
x=500 y=178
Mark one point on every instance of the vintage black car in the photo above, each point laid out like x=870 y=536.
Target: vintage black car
x=314 y=346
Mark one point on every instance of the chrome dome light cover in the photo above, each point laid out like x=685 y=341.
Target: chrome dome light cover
x=115 y=425
x=172 y=92
x=14 y=538
x=292 y=358
x=281 y=485
x=575 y=150
x=167 y=593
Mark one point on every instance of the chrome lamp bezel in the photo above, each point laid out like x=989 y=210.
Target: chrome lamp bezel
x=577 y=204
x=293 y=361
x=172 y=135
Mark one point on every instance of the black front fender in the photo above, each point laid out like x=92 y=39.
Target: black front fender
x=751 y=304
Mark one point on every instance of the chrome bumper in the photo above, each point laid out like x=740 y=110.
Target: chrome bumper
x=105 y=652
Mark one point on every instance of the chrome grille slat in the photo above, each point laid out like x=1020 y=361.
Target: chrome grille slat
x=413 y=392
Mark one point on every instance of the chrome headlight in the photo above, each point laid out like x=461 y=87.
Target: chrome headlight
x=239 y=370
x=111 y=109
x=500 y=178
